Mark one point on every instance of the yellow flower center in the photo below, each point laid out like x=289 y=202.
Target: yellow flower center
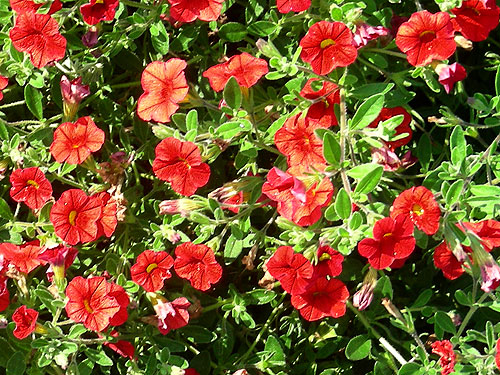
x=388 y=234
x=417 y=210
x=33 y=183
x=427 y=36
x=151 y=267
x=327 y=42
x=324 y=256
x=87 y=306
x=72 y=216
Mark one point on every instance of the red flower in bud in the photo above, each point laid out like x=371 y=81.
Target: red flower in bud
x=449 y=74
x=172 y=315
x=446 y=354
x=99 y=10
x=189 y=11
x=402 y=128
x=476 y=18
x=24 y=257
x=322 y=109
x=73 y=92
x=151 y=269
x=447 y=262
x=4 y=81
x=426 y=37
x=365 y=33
x=328 y=45
x=60 y=259
x=291 y=269
x=197 y=264
x=25 y=320
x=30 y=186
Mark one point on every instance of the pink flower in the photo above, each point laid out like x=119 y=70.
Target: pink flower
x=72 y=93
x=390 y=161
x=366 y=33
x=490 y=273
x=449 y=74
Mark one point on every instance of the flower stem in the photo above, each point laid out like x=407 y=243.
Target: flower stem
x=343 y=135
x=13 y=104
x=385 y=51
x=471 y=312
x=137 y=5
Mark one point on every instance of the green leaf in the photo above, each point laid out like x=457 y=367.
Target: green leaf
x=4 y=133
x=444 y=321
x=484 y=190
x=76 y=331
x=367 y=112
x=343 y=204
x=192 y=120
x=16 y=364
x=99 y=357
x=262 y=28
x=232 y=128
x=370 y=89
x=232 y=93
x=362 y=170
x=233 y=32
x=422 y=299
x=331 y=214
x=331 y=149
x=370 y=181
x=497 y=81
x=358 y=348
x=159 y=37
x=232 y=249
x=46 y=298
x=33 y=98
x=409 y=369
x=462 y=298
x=424 y=151
x=198 y=334
x=458 y=146
x=259 y=296
x=273 y=346
x=5 y=212
x=454 y=192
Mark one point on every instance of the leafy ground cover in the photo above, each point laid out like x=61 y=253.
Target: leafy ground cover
x=249 y=187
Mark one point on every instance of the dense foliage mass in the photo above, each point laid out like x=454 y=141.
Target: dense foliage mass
x=249 y=187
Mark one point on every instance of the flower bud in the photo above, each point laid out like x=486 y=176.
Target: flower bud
x=72 y=93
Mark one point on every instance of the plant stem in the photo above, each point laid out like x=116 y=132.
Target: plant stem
x=385 y=51
x=13 y=104
x=137 y=5
x=471 y=312
x=343 y=135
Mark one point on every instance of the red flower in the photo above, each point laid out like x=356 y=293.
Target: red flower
x=75 y=216
x=24 y=257
x=60 y=259
x=245 y=68
x=298 y=142
x=365 y=33
x=23 y=6
x=164 y=85
x=329 y=262
x=404 y=127
x=390 y=161
x=25 y=320
x=322 y=298
x=151 y=269
x=328 y=45
x=108 y=221
x=180 y=164
x=38 y=35
x=171 y=315
x=188 y=10
x=73 y=92
x=74 y=142
x=426 y=37
x=392 y=239
x=30 y=186
x=291 y=269
x=89 y=302
x=447 y=262
x=120 y=295
x=449 y=74
x=446 y=354
x=4 y=294
x=419 y=205
x=99 y=10
x=488 y=231
x=497 y=354
x=476 y=18
x=197 y=264
x=285 y=6
x=323 y=103
x=122 y=347
x=4 y=81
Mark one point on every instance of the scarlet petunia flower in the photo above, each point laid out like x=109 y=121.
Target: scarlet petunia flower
x=24 y=257
x=73 y=92
x=4 y=81
x=298 y=142
x=447 y=262
x=171 y=315
x=151 y=269
x=74 y=142
x=122 y=347
x=108 y=221
x=447 y=357
x=75 y=216
x=245 y=68
x=285 y=6
x=60 y=259
x=99 y=10
x=404 y=127
x=329 y=262
x=30 y=186
x=426 y=37
x=25 y=320
x=497 y=354
x=392 y=239
x=89 y=302
x=322 y=110
x=23 y=6
x=419 y=205
x=120 y=295
x=476 y=18
x=365 y=33
x=38 y=35
x=321 y=299
x=291 y=269
x=188 y=11
x=197 y=264
x=390 y=161
x=164 y=85
x=328 y=45
x=449 y=74
x=180 y=164
x=4 y=294
x=488 y=231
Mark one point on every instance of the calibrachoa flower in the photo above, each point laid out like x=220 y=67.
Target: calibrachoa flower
x=365 y=33
x=60 y=259
x=4 y=81
x=23 y=6
x=497 y=354
x=120 y=295
x=89 y=302
x=151 y=269
x=392 y=239
x=329 y=262
x=449 y=74
x=4 y=294
x=447 y=262
x=180 y=164
x=122 y=347
x=446 y=354
x=24 y=257
x=245 y=68
x=164 y=85
x=476 y=18
x=73 y=92
x=171 y=315
x=25 y=320
x=426 y=37
x=419 y=205
x=99 y=10
x=38 y=35
x=108 y=221
x=488 y=231
x=75 y=217
x=197 y=264
x=390 y=161
x=74 y=142
x=404 y=127
x=291 y=269
x=30 y=186
x=328 y=45
x=188 y=10
x=322 y=298
x=490 y=270
x=285 y=6
x=322 y=109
